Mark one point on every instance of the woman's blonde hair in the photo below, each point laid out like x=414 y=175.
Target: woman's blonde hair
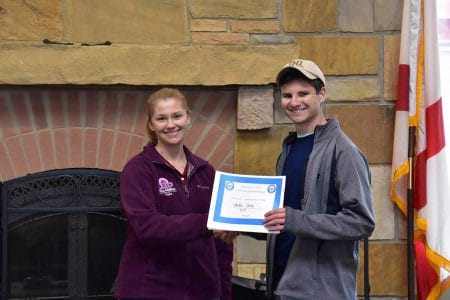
x=164 y=93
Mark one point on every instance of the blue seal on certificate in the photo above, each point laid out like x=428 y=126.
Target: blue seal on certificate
x=229 y=185
x=272 y=188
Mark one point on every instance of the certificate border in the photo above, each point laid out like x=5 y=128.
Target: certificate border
x=242 y=179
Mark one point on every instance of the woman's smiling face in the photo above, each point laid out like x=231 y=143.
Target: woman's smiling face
x=169 y=121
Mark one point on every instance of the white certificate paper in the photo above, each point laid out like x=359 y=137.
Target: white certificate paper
x=239 y=202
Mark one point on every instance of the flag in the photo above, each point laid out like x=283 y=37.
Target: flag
x=419 y=104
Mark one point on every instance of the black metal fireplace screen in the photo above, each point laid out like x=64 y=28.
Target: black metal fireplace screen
x=62 y=234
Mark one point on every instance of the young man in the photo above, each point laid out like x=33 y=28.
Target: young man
x=328 y=201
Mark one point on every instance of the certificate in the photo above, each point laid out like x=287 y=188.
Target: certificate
x=239 y=202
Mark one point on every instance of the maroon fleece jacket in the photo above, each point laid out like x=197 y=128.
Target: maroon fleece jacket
x=169 y=253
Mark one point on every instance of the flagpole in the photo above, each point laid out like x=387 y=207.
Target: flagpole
x=410 y=215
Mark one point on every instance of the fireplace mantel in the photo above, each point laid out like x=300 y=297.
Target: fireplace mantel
x=38 y=63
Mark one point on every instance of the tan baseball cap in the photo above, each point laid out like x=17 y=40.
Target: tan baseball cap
x=306 y=67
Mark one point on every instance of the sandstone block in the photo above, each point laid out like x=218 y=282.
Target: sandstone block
x=391 y=60
x=33 y=20
x=208 y=25
x=369 y=126
x=219 y=38
x=309 y=15
x=138 y=21
x=252 y=271
x=387 y=271
x=356 y=15
x=234 y=9
x=384 y=206
x=255 y=26
x=257 y=151
x=388 y=14
x=250 y=250
x=255 y=107
x=148 y=65
x=342 y=55
x=272 y=39
x=352 y=89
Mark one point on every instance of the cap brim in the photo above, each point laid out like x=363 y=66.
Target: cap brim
x=288 y=69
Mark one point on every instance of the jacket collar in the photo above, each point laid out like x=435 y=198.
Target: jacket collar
x=326 y=130
x=152 y=155
x=320 y=132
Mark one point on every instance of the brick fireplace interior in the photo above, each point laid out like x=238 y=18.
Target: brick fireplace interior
x=56 y=128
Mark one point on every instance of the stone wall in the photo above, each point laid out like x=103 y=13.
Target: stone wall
x=238 y=44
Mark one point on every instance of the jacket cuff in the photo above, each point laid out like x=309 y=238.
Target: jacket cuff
x=289 y=224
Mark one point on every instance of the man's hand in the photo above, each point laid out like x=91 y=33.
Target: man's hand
x=226 y=236
x=274 y=220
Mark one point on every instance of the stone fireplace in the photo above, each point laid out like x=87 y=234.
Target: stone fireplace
x=71 y=101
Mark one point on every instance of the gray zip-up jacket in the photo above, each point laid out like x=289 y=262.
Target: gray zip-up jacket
x=324 y=258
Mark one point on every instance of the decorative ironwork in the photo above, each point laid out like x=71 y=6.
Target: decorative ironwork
x=77 y=194
x=67 y=188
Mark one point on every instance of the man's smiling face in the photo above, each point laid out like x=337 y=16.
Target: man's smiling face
x=302 y=105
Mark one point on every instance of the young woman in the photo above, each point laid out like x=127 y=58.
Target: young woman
x=165 y=193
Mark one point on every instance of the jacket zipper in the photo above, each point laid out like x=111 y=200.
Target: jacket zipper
x=185 y=185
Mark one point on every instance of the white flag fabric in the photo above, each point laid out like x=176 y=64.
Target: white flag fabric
x=419 y=104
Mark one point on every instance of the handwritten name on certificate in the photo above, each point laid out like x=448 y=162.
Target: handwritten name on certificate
x=239 y=202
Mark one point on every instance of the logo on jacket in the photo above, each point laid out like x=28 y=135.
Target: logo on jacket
x=166 y=187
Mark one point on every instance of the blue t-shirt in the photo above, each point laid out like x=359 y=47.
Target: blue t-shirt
x=294 y=169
